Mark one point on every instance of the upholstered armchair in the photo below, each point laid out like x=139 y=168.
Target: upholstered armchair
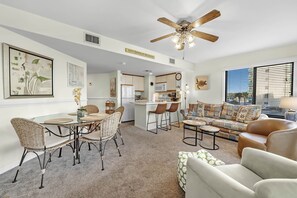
x=273 y=135
x=260 y=174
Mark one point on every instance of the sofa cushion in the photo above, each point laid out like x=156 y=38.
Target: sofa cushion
x=240 y=174
x=212 y=110
x=229 y=124
x=229 y=111
x=208 y=121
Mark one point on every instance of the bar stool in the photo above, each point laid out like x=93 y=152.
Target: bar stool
x=160 y=110
x=172 y=109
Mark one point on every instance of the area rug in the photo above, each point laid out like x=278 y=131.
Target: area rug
x=147 y=168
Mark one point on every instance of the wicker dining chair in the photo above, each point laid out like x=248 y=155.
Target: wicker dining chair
x=33 y=138
x=91 y=109
x=120 y=109
x=108 y=130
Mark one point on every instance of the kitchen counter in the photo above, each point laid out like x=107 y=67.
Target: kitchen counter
x=152 y=103
x=141 y=114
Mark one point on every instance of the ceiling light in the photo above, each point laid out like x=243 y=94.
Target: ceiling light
x=178 y=46
x=190 y=38
x=123 y=63
x=191 y=44
x=175 y=39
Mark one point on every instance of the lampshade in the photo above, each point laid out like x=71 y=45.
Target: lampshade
x=288 y=103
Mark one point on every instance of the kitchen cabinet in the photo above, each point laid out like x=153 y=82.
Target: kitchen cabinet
x=161 y=79
x=171 y=83
x=138 y=82
x=127 y=80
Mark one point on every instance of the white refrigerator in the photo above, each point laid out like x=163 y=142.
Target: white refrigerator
x=128 y=96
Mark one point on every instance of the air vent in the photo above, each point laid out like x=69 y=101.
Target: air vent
x=171 y=60
x=92 y=39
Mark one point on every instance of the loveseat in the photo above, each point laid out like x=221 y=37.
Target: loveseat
x=231 y=119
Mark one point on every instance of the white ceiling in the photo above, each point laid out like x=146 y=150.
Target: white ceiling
x=244 y=25
x=100 y=61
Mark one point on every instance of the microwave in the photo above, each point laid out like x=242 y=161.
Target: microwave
x=160 y=87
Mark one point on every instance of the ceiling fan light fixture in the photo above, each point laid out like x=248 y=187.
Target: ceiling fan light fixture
x=190 y=38
x=192 y=44
x=175 y=38
x=178 y=45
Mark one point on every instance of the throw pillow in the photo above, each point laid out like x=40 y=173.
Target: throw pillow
x=254 y=113
x=200 y=109
x=229 y=110
x=212 y=110
x=192 y=110
x=182 y=163
x=242 y=113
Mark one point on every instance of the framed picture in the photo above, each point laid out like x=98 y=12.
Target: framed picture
x=76 y=75
x=201 y=83
x=26 y=74
x=113 y=90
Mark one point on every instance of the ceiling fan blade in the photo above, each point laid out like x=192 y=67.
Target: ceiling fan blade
x=206 y=18
x=162 y=37
x=205 y=36
x=169 y=22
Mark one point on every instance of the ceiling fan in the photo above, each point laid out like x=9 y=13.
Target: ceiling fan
x=184 y=30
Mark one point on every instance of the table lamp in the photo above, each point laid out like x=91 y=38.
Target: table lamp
x=289 y=103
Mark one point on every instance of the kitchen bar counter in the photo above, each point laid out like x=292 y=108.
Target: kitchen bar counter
x=141 y=114
x=152 y=103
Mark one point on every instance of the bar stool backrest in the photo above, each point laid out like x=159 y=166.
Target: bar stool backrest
x=161 y=108
x=173 y=107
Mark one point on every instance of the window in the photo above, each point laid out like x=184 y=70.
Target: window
x=272 y=83
x=264 y=85
x=239 y=86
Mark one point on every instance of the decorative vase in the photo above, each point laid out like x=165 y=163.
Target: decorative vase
x=80 y=113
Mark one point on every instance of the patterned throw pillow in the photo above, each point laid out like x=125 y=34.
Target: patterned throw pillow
x=242 y=113
x=182 y=164
x=212 y=110
x=254 y=113
x=229 y=110
x=192 y=110
x=200 y=109
x=235 y=112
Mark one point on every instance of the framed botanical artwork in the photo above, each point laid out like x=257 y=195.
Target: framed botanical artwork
x=201 y=83
x=26 y=74
x=113 y=90
x=76 y=75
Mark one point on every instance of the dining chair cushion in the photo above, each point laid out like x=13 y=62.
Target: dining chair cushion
x=94 y=136
x=54 y=142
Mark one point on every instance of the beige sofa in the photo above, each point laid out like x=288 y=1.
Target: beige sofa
x=259 y=175
x=231 y=119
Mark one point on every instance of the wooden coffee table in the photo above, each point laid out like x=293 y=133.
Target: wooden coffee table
x=192 y=123
x=211 y=131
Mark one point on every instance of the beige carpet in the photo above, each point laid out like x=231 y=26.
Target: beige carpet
x=147 y=168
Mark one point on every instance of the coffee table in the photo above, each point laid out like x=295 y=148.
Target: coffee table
x=192 y=123
x=212 y=131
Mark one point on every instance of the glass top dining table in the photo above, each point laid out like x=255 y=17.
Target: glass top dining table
x=75 y=125
x=70 y=119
